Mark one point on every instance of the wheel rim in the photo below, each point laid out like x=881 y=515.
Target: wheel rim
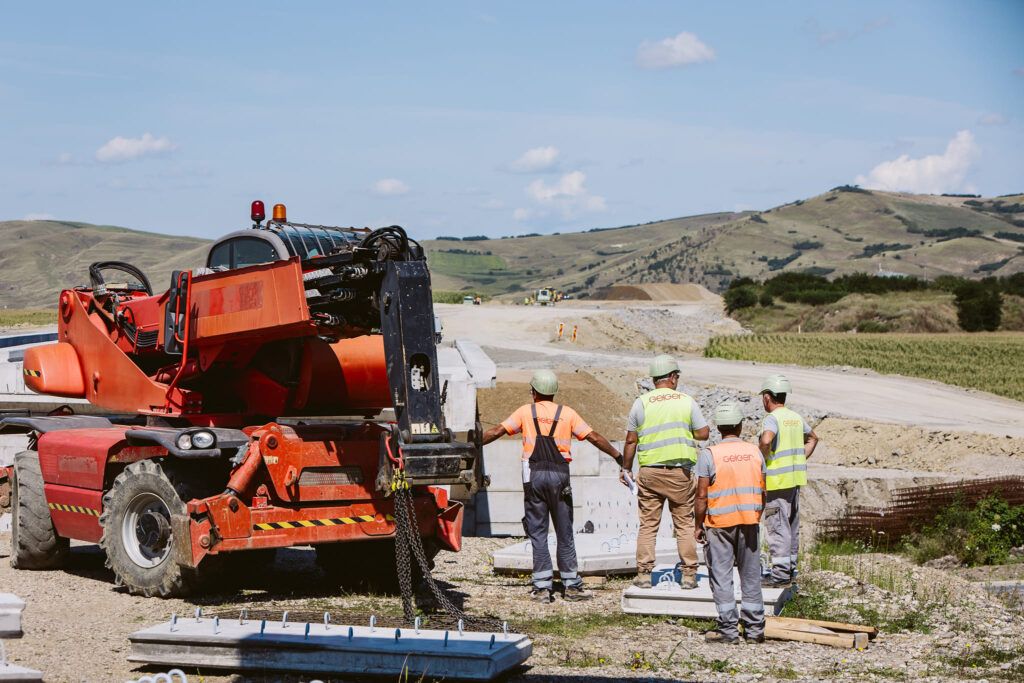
x=145 y=530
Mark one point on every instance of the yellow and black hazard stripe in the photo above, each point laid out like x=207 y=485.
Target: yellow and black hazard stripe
x=300 y=523
x=75 y=508
x=32 y=373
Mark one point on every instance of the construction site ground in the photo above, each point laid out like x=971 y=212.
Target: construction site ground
x=878 y=433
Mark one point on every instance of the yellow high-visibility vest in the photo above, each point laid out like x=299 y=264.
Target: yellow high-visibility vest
x=786 y=465
x=666 y=436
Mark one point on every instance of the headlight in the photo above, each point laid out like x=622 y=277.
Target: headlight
x=203 y=440
x=184 y=442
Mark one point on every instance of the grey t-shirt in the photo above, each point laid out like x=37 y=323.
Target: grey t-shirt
x=706 y=465
x=771 y=424
x=636 y=416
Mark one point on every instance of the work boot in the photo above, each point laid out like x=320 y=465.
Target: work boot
x=642 y=580
x=688 y=582
x=755 y=639
x=541 y=595
x=769 y=582
x=578 y=594
x=717 y=636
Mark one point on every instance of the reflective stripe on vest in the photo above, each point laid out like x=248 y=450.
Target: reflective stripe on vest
x=735 y=497
x=666 y=436
x=787 y=464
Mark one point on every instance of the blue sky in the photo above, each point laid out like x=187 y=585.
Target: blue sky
x=463 y=118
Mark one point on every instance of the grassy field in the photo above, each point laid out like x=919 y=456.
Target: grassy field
x=989 y=362
x=27 y=317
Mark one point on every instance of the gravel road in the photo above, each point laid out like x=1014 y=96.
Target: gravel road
x=516 y=337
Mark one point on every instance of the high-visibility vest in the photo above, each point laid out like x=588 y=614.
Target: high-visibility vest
x=734 y=497
x=666 y=436
x=787 y=464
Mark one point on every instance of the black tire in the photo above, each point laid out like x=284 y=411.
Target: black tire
x=147 y=488
x=34 y=541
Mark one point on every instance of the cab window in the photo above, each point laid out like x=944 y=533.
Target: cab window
x=241 y=252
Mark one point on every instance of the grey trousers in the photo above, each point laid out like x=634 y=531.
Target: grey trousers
x=781 y=519
x=736 y=546
x=544 y=502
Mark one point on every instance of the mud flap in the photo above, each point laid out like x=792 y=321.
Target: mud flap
x=449 y=526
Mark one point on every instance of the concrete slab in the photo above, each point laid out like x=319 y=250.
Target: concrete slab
x=669 y=599
x=596 y=555
x=11 y=607
x=481 y=368
x=330 y=649
x=13 y=672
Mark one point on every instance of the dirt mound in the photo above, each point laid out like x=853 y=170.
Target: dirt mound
x=685 y=293
x=603 y=410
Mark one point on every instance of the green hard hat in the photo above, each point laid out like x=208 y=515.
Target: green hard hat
x=728 y=413
x=544 y=382
x=663 y=365
x=777 y=384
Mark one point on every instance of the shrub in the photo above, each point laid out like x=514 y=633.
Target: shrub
x=1015 y=236
x=978 y=307
x=980 y=534
x=740 y=297
x=475 y=238
x=869 y=326
x=766 y=299
x=449 y=238
x=807 y=245
x=741 y=282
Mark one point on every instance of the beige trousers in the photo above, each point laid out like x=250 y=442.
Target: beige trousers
x=678 y=487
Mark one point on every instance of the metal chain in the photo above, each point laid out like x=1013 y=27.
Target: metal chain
x=405 y=515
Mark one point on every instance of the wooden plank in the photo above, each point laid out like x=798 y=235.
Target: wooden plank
x=777 y=632
x=871 y=631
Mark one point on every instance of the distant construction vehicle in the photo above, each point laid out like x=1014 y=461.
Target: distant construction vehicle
x=546 y=296
x=216 y=443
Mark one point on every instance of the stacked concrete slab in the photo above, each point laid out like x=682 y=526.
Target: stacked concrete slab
x=598 y=496
x=596 y=554
x=11 y=607
x=669 y=599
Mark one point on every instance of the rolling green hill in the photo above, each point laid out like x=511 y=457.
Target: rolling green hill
x=39 y=258
x=844 y=230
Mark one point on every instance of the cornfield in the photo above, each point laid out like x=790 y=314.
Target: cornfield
x=989 y=362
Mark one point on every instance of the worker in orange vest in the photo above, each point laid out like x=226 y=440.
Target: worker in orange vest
x=730 y=498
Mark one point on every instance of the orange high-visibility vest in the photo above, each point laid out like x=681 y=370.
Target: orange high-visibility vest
x=735 y=496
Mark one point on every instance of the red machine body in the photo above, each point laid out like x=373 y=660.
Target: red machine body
x=218 y=371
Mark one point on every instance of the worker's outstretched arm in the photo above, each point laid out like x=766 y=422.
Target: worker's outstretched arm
x=810 y=443
x=700 y=508
x=702 y=434
x=605 y=446
x=765 y=443
x=494 y=433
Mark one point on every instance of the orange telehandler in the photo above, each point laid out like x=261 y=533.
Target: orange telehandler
x=218 y=387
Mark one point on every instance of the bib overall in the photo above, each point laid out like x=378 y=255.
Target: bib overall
x=549 y=497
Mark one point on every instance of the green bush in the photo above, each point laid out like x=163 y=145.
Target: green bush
x=978 y=534
x=766 y=299
x=978 y=307
x=741 y=297
x=869 y=326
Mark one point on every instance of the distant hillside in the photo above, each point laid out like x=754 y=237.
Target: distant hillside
x=841 y=231
x=39 y=258
x=844 y=230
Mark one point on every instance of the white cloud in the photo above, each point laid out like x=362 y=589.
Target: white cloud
x=569 y=195
x=126 y=149
x=932 y=174
x=522 y=214
x=992 y=120
x=390 y=187
x=491 y=204
x=65 y=158
x=679 y=50
x=38 y=217
x=535 y=160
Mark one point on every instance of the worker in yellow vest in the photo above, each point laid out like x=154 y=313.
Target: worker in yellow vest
x=664 y=426
x=786 y=442
x=730 y=498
